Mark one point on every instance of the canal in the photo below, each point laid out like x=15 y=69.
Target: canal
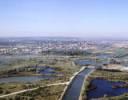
x=74 y=89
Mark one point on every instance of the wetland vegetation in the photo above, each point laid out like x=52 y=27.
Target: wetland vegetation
x=36 y=72
x=42 y=93
x=106 y=85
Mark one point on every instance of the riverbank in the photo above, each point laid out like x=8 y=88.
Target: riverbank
x=41 y=92
x=83 y=85
x=70 y=81
x=110 y=75
x=74 y=88
x=64 y=68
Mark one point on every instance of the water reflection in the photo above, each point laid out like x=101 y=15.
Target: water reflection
x=24 y=79
x=102 y=88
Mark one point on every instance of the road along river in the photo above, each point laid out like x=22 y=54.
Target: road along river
x=74 y=89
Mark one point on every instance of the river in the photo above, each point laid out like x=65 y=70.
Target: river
x=74 y=89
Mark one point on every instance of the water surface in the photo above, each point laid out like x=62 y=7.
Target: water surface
x=105 y=87
x=73 y=92
x=44 y=70
x=84 y=62
x=24 y=79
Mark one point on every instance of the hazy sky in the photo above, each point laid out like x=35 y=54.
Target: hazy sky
x=78 y=18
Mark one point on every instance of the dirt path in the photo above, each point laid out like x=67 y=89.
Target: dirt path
x=26 y=90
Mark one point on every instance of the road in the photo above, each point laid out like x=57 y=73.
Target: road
x=26 y=90
x=74 y=89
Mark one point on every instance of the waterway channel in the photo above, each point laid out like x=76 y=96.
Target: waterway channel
x=74 y=89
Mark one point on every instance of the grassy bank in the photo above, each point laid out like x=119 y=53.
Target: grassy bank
x=108 y=75
x=43 y=93
x=63 y=65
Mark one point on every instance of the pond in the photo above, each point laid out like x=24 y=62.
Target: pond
x=101 y=87
x=24 y=79
x=45 y=71
x=84 y=62
x=104 y=56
